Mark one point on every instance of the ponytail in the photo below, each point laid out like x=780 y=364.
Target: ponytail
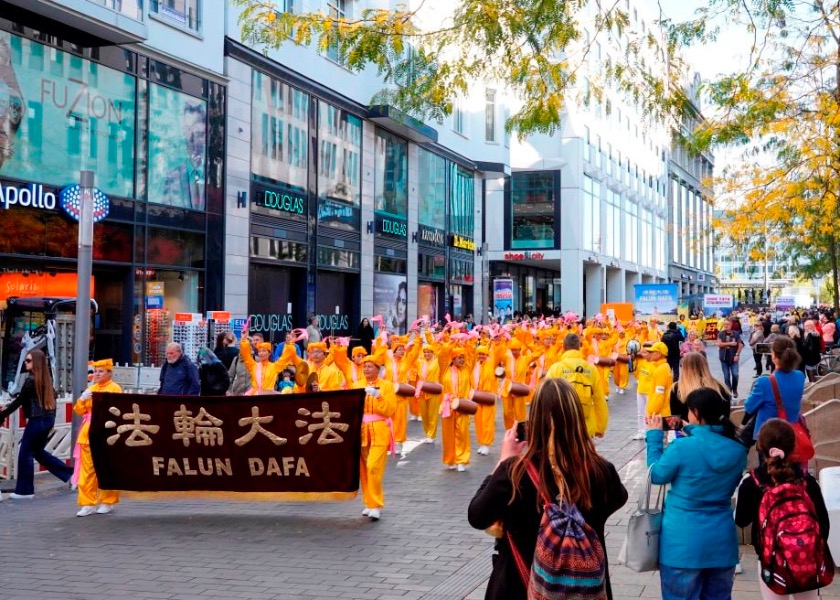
x=776 y=441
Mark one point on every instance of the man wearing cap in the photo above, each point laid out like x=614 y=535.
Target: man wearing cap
x=428 y=369
x=91 y=498
x=581 y=374
x=658 y=402
x=644 y=378
x=454 y=426
x=377 y=432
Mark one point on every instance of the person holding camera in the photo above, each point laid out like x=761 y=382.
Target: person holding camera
x=567 y=466
x=698 y=545
x=377 y=433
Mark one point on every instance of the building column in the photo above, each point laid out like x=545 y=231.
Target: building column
x=595 y=288
x=615 y=285
x=571 y=290
x=366 y=275
x=630 y=281
x=413 y=221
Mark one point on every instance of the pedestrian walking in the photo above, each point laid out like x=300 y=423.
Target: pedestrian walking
x=37 y=398
x=212 y=374
x=179 y=376
x=729 y=351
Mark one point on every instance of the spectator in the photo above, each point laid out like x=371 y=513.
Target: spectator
x=226 y=349
x=810 y=350
x=696 y=375
x=791 y=385
x=567 y=464
x=179 y=376
x=672 y=338
x=313 y=332
x=729 y=351
x=240 y=377
x=364 y=336
x=756 y=338
x=212 y=374
x=289 y=339
x=37 y=397
x=698 y=546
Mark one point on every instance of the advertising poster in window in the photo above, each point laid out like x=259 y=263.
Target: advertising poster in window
x=177 y=148
x=655 y=300
x=60 y=114
x=390 y=300
x=503 y=299
x=427 y=300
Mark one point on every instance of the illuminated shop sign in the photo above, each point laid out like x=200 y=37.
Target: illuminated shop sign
x=524 y=256
x=36 y=195
x=30 y=195
x=289 y=203
x=464 y=243
x=391 y=226
x=429 y=235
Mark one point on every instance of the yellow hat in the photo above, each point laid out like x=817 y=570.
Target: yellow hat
x=458 y=352
x=264 y=346
x=428 y=347
x=105 y=363
x=482 y=350
x=514 y=345
x=397 y=341
x=376 y=358
x=359 y=350
x=659 y=347
x=317 y=346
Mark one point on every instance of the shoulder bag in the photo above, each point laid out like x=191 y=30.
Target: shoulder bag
x=641 y=546
x=803 y=451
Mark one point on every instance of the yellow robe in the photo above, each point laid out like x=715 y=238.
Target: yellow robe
x=397 y=371
x=455 y=429
x=429 y=403
x=88 y=484
x=270 y=370
x=376 y=438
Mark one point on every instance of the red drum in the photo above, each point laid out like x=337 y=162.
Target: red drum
x=431 y=387
x=403 y=389
x=623 y=358
x=486 y=398
x=519 y=389
x=464 y=406
x=605 y=361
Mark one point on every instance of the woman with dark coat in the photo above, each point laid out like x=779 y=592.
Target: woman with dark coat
x=212 y=374
x=37 y=397
x=226 y=348
x=365 y=335
x=563 y=454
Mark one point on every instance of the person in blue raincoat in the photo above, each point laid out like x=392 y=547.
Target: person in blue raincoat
x=698 y=546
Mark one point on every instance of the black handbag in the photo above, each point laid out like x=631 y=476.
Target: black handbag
x=746 y=431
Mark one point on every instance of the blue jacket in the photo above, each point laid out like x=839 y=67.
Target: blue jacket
x=703 y=469
x=761 y=399
x=179 y=378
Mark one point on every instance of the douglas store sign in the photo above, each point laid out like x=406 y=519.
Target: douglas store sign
x=290 y=203
x=393 y=227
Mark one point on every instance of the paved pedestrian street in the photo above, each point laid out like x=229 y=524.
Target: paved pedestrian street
x=422 y=548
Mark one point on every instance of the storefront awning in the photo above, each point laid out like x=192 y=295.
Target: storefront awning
x=402 y=123
x=493 y=169
x=94 y=19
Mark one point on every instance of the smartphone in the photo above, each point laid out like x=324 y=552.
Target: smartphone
x=671 y=423
x=521 y=432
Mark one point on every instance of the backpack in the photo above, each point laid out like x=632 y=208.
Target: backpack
x=793 y=555
x=582 y=382
x=569 y=559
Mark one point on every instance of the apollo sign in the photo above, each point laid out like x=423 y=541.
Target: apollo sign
x=32 y=195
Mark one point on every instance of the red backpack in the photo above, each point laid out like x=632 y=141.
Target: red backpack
x=794 y=556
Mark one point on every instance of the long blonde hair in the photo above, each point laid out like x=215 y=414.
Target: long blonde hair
x=559 y=446
x=695 y=374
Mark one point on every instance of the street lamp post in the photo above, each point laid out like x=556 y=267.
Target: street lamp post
x=84 y=267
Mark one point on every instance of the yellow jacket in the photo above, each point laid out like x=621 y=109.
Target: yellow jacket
x=659 y=402
x=270 y=370
x=84 y=405
x=595 y=410
x=377 y=433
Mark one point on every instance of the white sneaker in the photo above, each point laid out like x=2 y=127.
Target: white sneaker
x=86 y=511
x=428 y=440
x=366 y=512
x=451 y=467
x=738 y=569
x=374 y=514
x=104 y=509
x=620 y=391
x=398 y=449
x=483 y=450
x=22 y=496
x=639 y=436
x=462 y=468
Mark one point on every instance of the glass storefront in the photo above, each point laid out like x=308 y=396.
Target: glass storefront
x=532 y=210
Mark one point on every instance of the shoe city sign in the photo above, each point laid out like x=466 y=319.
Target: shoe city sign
x=524 y=255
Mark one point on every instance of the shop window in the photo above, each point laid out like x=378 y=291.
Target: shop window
x=532 y=208
x=262 y=247
x=390 y=300
x=186 y=13
x=432 y=266
x=390 y=187
x=431 y=188
x=461 y=271
x=339 y=165
x=462 y=202
x=386 y=264
x=338 y=259
x=174 y=247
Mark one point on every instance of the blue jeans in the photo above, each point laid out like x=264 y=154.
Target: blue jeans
x=696 y=584
x=35 y=437
x=730 y=375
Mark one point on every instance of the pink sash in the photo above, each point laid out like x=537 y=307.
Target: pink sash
x=424 y=372
x=446 y=407
x=371 y=418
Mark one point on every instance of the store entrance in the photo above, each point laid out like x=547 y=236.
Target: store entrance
x=276 y=300
x=114 y=296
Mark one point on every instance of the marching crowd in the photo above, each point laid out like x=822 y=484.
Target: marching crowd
x=552 y=379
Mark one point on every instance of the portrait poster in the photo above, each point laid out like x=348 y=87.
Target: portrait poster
x=427 y=300
x=305 y=447
x=503 y=299
x=60 y=114
x=177 y=148
x=390 y=300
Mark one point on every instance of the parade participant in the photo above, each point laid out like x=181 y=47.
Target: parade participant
x=621 y=370
x=329 y=377
x=653 y=333
x=37 y=397
x=350 y=368
x=397 y=367
x=377 y=433
x=428 y=369
x=484 y=379
x=644 y=378
x=455 y=426
x=517 y=370
x=91 y=498
x=263 y=371
x=602 y=345
x=662 y=378
x=587 y=384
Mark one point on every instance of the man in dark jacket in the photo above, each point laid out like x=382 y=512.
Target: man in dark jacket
x=672 y=338
x=179 y=376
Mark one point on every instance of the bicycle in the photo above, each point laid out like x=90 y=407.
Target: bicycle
x=829 y=363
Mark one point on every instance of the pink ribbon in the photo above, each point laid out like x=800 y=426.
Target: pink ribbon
x=377 y=319
x=343 y=341
x=301 y=334
x=446 y=407
x=370 y=418
x=418 y=322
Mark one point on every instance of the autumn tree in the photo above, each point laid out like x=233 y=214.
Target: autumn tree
x=784 y=111
x=428 y=52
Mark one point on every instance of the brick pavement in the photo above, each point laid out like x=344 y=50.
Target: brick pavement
x=423 y=548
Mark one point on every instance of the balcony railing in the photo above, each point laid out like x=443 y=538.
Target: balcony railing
x=183 y=12
x=130 y=8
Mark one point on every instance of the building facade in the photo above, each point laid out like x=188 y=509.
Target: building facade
x=134 y=94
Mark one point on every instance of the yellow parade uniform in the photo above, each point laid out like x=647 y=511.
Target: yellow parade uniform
x=484 y=379
x=88 y=484
x=264 y=374
x=397 y=371
x=351 y=371
x=595 y=410
x=658 y=402
x=517 y=370
x=621 y=371
x=376 y=439
x=455 y=426
x=429 y=370
x=329 y=377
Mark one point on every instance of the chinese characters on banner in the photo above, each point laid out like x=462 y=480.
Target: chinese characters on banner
x=298 y=444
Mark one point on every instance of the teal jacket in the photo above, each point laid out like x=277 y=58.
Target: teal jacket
x=703 y=469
